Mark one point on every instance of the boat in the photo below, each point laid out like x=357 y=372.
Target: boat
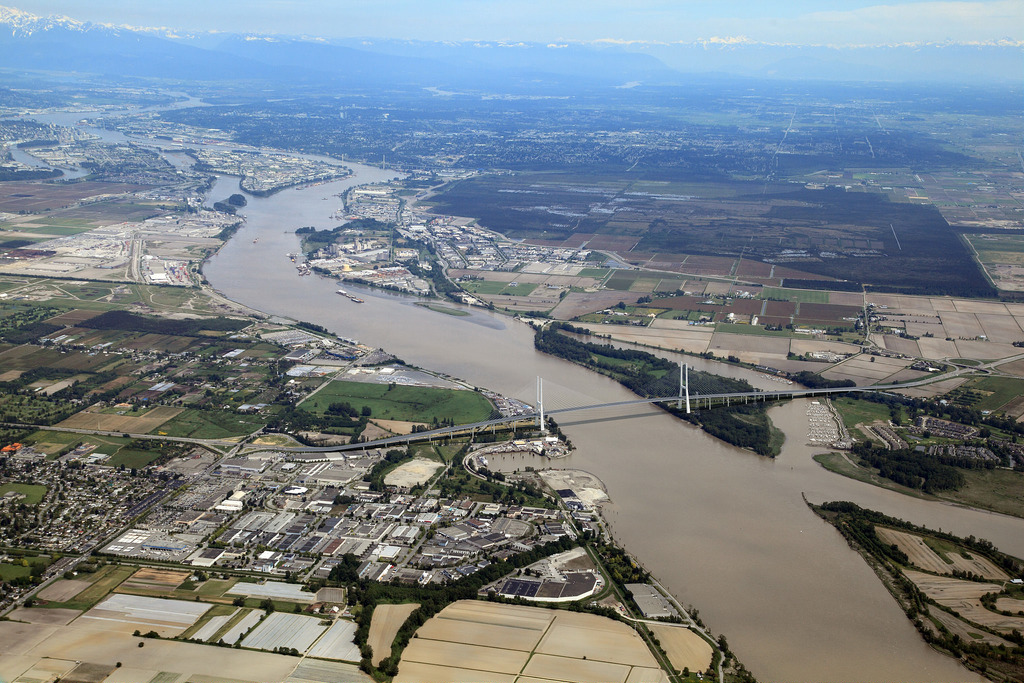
x=351 y=297
x=256 y=240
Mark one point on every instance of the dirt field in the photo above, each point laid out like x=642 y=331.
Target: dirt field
x=578 y=303
x=925 y=558
x=96 y=644
x=681 y=340
x=52 y=617
x=588 y=487
x=964 y=598
x=1010 y=605
x=409 y=474
x=122 y=423
x=684 y=647
x=151 y=579
x=395 y=426
x=63 y=590
x=473 y=641
x=387 y=619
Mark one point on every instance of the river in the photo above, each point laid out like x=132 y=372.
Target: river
x=726 y=531
x=723 y=529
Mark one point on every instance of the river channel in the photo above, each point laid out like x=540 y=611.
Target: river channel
x=725 y=530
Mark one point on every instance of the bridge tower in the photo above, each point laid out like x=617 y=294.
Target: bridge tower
x=540 y=405
x=686 y=386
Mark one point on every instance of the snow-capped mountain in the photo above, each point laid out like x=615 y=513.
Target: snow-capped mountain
x=60 y=43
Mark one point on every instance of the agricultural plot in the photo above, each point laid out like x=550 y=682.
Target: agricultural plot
x=153 y=580
x=240 y=627
x=275 y=590
x=168 y=617
x=63 y=590
x=866 y=369
x=337 y=643
x=151 y=420
x=477 y=640
x=384 y=625
x=160 y=661
x=280 y=630
x=924 y=557
x=696 y=341
x=964 y=598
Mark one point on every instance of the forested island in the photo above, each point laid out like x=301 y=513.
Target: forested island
x=746 y=425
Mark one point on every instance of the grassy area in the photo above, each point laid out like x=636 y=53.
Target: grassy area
x=437 y=308
x=105 y=580
x=212 y=424
x=399 y=402
x=10 y=571
x=132 y=458
x=594 y=272
x=483 y=286
x=998 y=391
x=996 y=490
x=33 y=492
x=855 y=411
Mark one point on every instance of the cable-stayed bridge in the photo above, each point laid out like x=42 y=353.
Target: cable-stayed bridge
x=689 y=397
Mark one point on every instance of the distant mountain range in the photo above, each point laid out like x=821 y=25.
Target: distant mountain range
x=63 y=44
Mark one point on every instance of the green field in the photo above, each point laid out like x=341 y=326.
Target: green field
x=484 y=286
x=54 y=230
x=132 y=458
x=13 y=570
x=595 y=272
x=398 y=402
x=1000 y=390
x=996 y=490
x=855 y=411
x=33 y=492
x=437 y=308
x=807 y=296
x=212 y=424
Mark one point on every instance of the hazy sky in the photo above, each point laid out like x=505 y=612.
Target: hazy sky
x=795 y=21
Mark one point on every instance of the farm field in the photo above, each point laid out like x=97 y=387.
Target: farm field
x=280 y=630
x=964 y=597
x=404 y=403
x=100 y=584
x=384 y=625
x=63 y=590
x=683 y=647
x=337 y=643
x=136 y=612
x=471 y=640
x=149 y=421
x=923 y=556
x=155 y=580
x=30 y=649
